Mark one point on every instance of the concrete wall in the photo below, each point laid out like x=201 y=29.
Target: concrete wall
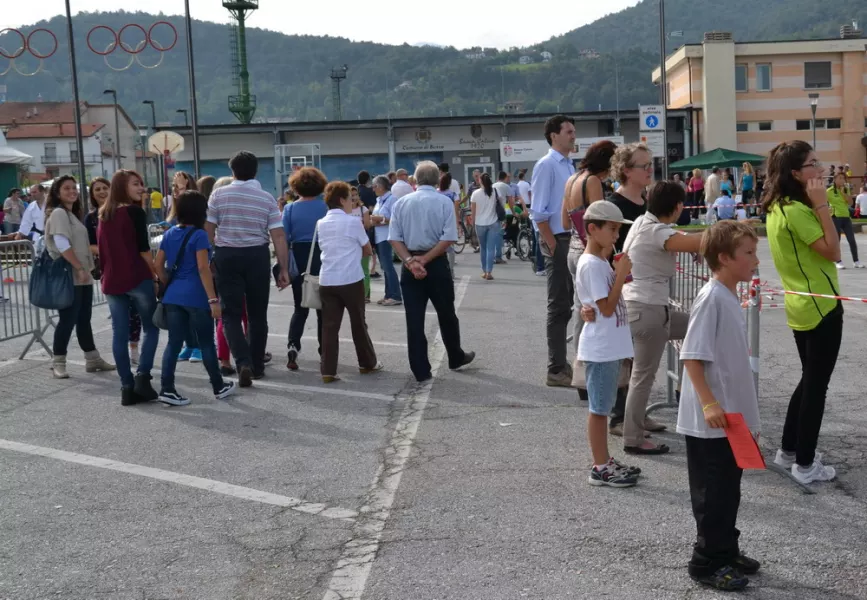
x=128 y=134
x=718 y=83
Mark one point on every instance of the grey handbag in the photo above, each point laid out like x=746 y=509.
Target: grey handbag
x=310 y=286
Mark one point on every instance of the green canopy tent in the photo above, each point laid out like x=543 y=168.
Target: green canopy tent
x=720 y=157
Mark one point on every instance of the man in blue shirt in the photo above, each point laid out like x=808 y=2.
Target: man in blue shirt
x=548 y=186
x=725 y=206
x=421 y=230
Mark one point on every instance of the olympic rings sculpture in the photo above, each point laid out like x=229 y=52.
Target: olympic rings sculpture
x=132 y=51
x=26 y=46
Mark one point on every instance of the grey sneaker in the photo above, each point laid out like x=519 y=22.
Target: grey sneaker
x=816 y=472
x=562 y=379
x=611 y=477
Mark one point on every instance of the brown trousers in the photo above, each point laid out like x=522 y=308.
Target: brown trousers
x=336 y=298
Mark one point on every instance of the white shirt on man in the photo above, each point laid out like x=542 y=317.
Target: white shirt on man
x=341 y=237
x=524 y=189
x=504 y=190
x=717 y=336
x=861 y=202
x=400 y=189
x=607 y=338
x=455 y=188
x=34 y=216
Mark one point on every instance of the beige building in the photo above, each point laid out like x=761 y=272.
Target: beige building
x=750 y=96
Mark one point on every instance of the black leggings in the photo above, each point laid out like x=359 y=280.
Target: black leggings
x=844 y=225
x=818 y=349
x=75 y=317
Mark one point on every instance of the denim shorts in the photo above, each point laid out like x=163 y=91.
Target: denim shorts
x=602 y=385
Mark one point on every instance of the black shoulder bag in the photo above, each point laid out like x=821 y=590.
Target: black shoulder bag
x=159 y=318
x=501 y=211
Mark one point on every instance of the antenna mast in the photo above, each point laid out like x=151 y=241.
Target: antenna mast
x=337 y=75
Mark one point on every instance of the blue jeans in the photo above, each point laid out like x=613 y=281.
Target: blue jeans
x=186 y=322
x=392 y=284
x=488 y=238
x=145 y=301
x=601 y=380
x=500 y=235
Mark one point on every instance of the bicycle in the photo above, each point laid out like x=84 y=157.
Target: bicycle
x=466 y=233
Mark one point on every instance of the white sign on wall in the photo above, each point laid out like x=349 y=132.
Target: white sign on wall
x=583 y=144
x=523 y=151
x=650 y=118
x=655 y=142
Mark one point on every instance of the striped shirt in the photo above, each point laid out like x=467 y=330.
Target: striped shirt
x=244 y=214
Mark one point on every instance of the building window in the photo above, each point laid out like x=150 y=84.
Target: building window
x=741 y=78
x=834 y=124
x=73 y=152
x=766 y=125
x=50 y=152
x=817 y=75
x=742 y=127
x=763 y=78
x=803 y=125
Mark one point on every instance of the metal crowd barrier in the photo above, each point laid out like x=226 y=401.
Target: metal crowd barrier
x=155 y=237
x=19 y=318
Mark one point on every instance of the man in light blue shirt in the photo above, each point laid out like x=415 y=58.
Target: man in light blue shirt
x=725 y=206
x=422 y=229
x=550 y=175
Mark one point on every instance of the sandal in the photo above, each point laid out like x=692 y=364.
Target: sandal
x=390 y=302
x=655 y=450
x=726 y=579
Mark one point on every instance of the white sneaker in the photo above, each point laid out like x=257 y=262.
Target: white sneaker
x=858 y=265
x=840 y=266
x=541 y=273
x=816 y=472
x=786 y=460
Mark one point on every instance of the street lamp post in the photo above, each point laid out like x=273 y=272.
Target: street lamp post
x=116 y=162
x=663 y=89
x=82 y=174
x=194 y=105
x=160 y=176
x=143 y=139
x=814 y=104
x=185 y=112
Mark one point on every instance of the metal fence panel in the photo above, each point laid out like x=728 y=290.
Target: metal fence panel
x=19 y=318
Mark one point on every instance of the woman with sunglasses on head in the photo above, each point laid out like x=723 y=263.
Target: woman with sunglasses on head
x=66 y=237
x=805 y=246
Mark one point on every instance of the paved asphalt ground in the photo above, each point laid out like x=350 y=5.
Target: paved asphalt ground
x=473 y=487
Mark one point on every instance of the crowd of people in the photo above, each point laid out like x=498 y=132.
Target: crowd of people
x=607 y=252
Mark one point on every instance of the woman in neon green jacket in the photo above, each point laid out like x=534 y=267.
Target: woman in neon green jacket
x=840 y=201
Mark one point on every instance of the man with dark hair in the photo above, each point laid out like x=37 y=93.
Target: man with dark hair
x=549 y=184
x=455 y=186
x=242 y=219
x=506 y=197
x=33 y=221
x=368 y=198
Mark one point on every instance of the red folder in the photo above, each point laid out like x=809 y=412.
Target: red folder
x=744 y=446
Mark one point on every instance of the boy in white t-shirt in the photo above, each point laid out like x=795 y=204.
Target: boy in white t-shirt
x=715 y=354
x=607 y=340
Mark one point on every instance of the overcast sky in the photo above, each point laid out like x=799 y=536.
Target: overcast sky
x=450 y=22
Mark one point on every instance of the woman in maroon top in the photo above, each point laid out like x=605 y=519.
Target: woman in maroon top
x=128 y=279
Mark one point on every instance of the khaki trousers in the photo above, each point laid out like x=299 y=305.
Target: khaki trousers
x=336 y=299
x=652 y=326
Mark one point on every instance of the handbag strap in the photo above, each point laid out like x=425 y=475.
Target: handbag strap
x=289 y=208
x=312 y=247
x=179 y=258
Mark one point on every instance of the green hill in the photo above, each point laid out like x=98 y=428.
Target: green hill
x=290 y=74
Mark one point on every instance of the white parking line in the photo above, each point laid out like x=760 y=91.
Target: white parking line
x=313 y=338
x=283 y=387
x=210 y=485
x=350 y=577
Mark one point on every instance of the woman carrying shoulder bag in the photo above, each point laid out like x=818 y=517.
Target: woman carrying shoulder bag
x=191 y=304
x=66 y=236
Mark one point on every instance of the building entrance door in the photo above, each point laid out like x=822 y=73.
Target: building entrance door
x=483 y=167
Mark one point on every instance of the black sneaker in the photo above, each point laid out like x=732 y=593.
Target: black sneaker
x=611 y=478
x=726 y=579
x=375 y=275
x=227 y=390
x=292 y=359
x=227 y=371
x=143 y=388
x=258 y=374
x=245 y=377
x=746 y=565
x=128 y=397
x=173 y=398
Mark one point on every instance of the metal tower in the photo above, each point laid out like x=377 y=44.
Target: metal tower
x=337 y=75
x=242 y=105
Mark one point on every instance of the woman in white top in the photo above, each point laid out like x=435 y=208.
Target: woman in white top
x=360 y=211
x=652 y=244
x=343 y=241
x=66 y=237
x=484 y=211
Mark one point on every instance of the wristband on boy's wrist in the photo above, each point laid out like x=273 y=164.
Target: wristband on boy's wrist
x=705 y=407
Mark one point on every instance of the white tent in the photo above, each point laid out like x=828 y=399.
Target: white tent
x=9 y=155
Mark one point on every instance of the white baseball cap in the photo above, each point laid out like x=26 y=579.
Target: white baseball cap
x=603 y=210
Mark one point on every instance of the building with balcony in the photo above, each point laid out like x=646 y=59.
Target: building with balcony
x=55 y=151
x=750 y=96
